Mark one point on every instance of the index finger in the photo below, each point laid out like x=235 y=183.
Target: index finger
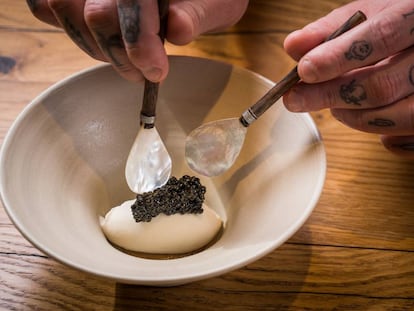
x=301 y=41
x=140 y=26
x=383 y=35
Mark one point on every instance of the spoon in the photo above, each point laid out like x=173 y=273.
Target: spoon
x=149 y=165
x=212 y=148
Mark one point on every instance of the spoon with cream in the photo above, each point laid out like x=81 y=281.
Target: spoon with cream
x=212 y=148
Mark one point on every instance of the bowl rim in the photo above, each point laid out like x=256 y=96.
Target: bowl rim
x=159 y=280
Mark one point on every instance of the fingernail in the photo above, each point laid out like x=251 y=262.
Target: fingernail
x=153 y=74
x=307 y=70
x=294 y=101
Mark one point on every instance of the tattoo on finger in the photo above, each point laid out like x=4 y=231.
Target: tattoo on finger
x=353 y=93
x=108 y=44
x=77 y=37
x=381 y=122
x=129 y=19
x=359 y=50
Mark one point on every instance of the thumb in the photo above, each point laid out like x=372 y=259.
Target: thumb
x=190 y=18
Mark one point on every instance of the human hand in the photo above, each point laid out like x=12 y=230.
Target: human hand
x=125 y=32
x=366 y=76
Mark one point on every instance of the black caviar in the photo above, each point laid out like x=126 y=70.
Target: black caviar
x=177 y=196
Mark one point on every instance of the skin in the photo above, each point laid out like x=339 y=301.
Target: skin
x=125 y=32
x=366 y=76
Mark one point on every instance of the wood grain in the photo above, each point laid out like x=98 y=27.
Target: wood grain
x=356 y=251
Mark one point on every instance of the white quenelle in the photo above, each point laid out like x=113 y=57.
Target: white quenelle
x=172 y=234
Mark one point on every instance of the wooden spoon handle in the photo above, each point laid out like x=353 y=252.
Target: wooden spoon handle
x=149 y=101
x=292 y=77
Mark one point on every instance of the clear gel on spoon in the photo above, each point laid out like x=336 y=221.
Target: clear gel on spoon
x=213 y=147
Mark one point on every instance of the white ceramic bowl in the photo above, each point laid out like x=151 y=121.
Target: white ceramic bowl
x=62 y=166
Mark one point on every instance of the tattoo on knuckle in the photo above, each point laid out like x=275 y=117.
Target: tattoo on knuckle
x=359 y=50
x=352 y=93
x=109 y=44
x=76 y=35
x=381 y=122
x=129 y=19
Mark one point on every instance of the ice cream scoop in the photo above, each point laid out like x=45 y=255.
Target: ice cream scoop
x=164 y=234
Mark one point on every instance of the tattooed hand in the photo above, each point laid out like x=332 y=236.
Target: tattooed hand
x=125 y=32
x=366 y=76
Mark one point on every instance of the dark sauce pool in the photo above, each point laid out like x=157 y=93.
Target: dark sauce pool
x=170 y=256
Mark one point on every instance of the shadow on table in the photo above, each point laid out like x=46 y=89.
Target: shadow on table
x=271 y=283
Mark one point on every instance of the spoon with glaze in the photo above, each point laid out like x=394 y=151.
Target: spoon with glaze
x=212 y=148
x=149 y=165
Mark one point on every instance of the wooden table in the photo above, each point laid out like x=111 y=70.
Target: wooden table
x=356 y=251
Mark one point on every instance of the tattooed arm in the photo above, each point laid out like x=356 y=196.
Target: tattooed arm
x=366 y=76
x=125 y=32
